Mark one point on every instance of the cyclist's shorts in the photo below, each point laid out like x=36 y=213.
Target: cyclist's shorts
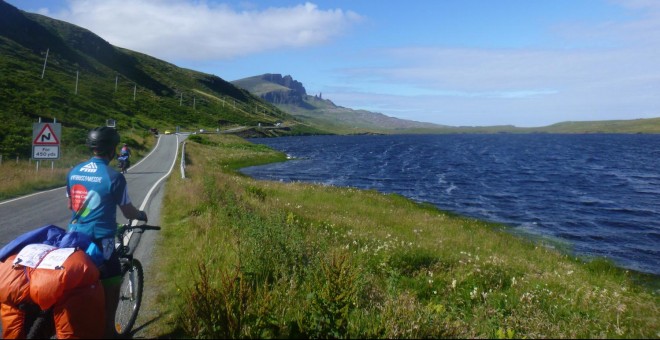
x=111 y=269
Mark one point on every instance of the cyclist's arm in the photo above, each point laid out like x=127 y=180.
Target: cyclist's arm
x=127 y=208
x=132 y=213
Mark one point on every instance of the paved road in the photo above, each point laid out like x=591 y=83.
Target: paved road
x=145 y=183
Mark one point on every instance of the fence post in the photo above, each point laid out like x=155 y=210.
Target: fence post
x=183 y=160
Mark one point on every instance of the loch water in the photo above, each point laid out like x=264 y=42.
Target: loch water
x=599 y=194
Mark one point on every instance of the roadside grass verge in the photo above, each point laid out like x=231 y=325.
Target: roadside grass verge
x=21 y=177
x=241 y=258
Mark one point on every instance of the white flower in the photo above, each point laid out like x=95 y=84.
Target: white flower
x=474 y=293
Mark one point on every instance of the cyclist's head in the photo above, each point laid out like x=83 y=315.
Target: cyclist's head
x=103 y=140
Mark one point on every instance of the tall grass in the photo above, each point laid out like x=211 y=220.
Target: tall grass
x=241 y=258
x=24 y=177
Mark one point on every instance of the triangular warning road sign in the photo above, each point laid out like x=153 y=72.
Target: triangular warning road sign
x=46 y=137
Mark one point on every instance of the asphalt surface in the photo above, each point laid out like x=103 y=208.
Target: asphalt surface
x=145 y=187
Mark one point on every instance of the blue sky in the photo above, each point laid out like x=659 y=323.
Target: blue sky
x=452 y=62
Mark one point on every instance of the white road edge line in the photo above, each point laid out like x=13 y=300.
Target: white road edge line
x=153 y=187
x=146 y=199
x=43 y=192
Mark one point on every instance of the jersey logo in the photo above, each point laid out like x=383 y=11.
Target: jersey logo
x=91 y=167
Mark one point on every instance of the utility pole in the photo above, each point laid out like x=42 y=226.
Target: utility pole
x=134 y=91
x=116 y=81
x=181 y=99
x=45 y=61
x=76 y=91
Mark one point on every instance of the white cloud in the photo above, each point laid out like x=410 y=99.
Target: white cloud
x=617 y=78
x=183 y=30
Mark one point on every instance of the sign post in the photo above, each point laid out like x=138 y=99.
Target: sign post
x=46 y=140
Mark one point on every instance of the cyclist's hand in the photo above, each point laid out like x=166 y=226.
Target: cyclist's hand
x=142 y=216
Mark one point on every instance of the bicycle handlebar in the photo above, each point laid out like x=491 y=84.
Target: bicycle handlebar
x=128 y=226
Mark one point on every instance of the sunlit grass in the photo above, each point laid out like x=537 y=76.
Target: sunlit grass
x=247 y=258
x=24 y=177
x=19 y=176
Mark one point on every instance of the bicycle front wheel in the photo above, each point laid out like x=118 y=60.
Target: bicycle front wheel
x=130 y=297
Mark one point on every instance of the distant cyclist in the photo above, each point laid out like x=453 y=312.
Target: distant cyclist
x=95 y=190
x=124 y=158
x=125 y=151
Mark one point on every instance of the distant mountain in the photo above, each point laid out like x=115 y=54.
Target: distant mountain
x=290 y=96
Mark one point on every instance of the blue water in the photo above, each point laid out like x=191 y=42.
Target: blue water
x=598 y=193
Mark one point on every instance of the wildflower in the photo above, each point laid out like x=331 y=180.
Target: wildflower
x=453 y=284
x=513 y=281
x=474 y=293
x=620 y=308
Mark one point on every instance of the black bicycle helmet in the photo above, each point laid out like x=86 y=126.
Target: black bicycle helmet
x=103 y=139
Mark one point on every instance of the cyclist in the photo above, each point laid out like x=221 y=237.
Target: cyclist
x=95 y=190
x=125 y=151
x=124 y=158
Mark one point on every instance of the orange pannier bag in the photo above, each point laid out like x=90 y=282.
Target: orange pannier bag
x=14 y=290
x=47 y=286
x=14 y=283
x=13 y=320
x=80 y=313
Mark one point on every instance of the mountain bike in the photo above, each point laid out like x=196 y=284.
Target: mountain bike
x=39 y=324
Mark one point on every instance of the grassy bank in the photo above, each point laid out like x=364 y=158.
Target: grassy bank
x=258 y=259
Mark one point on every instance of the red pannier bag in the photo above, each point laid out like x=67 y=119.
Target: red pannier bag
x=47 y=286
x=80 y=313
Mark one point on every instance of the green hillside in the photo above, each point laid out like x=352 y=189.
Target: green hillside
x=86 y=80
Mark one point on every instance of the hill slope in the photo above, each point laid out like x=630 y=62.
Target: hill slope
x=290 y=96
x=87 y=80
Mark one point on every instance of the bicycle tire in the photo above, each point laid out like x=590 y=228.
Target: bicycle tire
x=43 y=327
x=130 y=297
